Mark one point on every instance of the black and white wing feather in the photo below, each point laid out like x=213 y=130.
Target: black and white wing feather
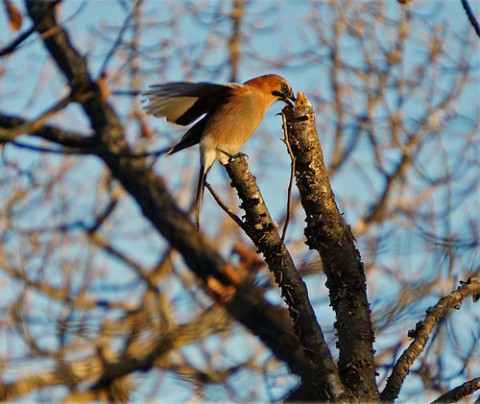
x=183 y=103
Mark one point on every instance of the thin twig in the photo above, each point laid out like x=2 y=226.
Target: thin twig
x=22 y=37
x=227 y=210
x=81 y=150
x=290 y=183
x=141 y=155
x=118 y=41
x=471 y=17
x=466 y=389
x=65 y=150
x=31 y=126
x=16 y=42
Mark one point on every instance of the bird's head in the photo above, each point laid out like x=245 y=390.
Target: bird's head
x=275 y=86
x=283 y=91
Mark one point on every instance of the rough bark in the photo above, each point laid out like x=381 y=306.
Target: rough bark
x=323 y=372
x=422 y=333
x=328 y=233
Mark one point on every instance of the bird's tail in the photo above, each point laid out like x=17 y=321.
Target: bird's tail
x=200 y=190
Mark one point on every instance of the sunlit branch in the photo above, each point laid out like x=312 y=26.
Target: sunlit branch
x=421 y=335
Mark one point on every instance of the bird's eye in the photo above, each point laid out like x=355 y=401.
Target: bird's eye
x=285 y=89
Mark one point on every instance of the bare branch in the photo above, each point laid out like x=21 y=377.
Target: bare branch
x=260 y=228
x=328 y=233
x=51 y=133
x=459 y=392
x=421 y=335
x=290 y=181
x=471 y=16
x=224 y=207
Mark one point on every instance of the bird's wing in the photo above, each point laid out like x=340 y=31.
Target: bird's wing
x=192 y=137
x=183 y=103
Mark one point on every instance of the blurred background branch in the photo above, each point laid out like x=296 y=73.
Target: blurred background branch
x=102 y=305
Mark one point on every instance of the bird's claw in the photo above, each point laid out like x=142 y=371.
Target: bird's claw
x=237 y=155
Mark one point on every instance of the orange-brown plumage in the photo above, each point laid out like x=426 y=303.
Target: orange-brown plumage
x=231 y=113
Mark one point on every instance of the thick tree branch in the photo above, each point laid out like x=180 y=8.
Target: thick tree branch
x=235 y=40
x=328 y=233
x=260 y=228
x=10 y=129
x=421 y=334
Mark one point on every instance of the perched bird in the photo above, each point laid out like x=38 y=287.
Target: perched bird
x=232 y=113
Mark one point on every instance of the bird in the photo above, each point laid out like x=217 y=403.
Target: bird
x=230 y=113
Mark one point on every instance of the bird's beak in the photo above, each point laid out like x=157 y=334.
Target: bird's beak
x=290 y=100
x=286 y=98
